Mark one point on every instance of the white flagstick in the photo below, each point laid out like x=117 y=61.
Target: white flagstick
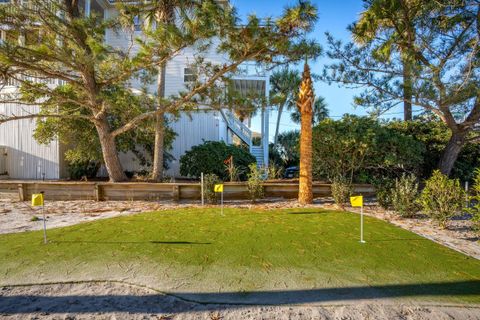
x=44 y=225
x=201 y=189
x=361 y=224
x=222 y=201
x=466 y=195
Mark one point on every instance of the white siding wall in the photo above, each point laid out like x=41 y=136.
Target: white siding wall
x=192 y=130
x=175 y=68
x=26 y=158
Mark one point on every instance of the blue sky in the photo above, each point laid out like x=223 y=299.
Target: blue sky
x=334 y=17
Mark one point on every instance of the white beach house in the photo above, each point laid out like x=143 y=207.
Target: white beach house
x=22 y=157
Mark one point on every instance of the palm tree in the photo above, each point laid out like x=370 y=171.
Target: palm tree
x=162 y=12
x=320 y=112
x=284 y=90
x=306 y=98
x=393 y=22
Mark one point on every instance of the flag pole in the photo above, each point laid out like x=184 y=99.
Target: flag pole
x=44 y=220
x=361 y=224
x=222 y=202
x=201 y=189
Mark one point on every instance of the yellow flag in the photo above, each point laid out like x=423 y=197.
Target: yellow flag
x=218 y=188
x=37 y=200
x=356 y=201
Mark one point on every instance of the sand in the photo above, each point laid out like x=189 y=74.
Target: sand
x=109 y=300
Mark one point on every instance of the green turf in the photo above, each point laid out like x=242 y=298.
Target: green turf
x=244 y=251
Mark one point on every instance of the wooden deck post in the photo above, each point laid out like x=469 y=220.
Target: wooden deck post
x=98 y=192
x=21 y=192
x=176 y=193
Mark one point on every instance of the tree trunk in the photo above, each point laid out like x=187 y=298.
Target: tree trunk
x=305 y=105
x=451 y=151
x=305 y=195
x=157 y=173
x=407 y=91
x=109 y=151
x=279 y=116
x=157 y=170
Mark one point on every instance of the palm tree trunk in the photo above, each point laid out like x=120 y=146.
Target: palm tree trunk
x=305 y=104
x=157 y=170
x=305 y=194
x=407 y=90
x=279 y=116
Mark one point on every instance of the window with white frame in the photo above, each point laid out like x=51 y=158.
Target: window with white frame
x=189 y=74
x=137 y=23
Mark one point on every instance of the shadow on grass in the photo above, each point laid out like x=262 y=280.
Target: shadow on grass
x=158 y=303
x=130 y=242
x=309 y=212
x=398 y=239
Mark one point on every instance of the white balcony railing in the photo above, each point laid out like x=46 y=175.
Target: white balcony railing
x=251 y=69
x=10 y=82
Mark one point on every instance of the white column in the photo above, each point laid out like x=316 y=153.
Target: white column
x=266 y=134
x=262 y=126
x=87 y=7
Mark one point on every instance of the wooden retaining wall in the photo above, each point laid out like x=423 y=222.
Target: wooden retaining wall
x=102 y=191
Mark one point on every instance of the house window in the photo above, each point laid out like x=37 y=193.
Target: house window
x=137 y=23
x=189 y=75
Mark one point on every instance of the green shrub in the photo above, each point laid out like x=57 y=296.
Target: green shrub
x=441 y=198
x=383 y=190
x=341 y=191
x=362 y=148
x=233 y=172
x=404 y=196
x=209 y=182
x=83 y=170
x=255 y=183
x=275 y=172
x=434 y=136
x=474 y=210
x=209 y=157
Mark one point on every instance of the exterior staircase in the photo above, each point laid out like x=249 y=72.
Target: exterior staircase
x=257 y=152
x=245 y=134
x=238 y=128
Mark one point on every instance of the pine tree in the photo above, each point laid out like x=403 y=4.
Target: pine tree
x=62 y=45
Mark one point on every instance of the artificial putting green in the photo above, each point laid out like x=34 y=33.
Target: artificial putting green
x=246 y=251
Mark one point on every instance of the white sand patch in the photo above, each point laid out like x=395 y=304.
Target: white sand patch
x=122 y=301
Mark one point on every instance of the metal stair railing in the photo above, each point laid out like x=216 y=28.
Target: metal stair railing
x=238 y=127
